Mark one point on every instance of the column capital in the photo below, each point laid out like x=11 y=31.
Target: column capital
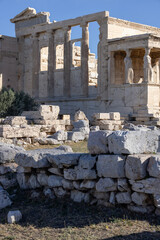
x=147 y=50
x=128 y=52
x=84 y=24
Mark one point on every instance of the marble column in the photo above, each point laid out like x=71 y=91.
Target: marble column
x=51 y=63
x=35 y=65
x=84 y=59
x=20 y=84
x=67 y=61
x=148 y=71
x=129 y=74
x=103 y=90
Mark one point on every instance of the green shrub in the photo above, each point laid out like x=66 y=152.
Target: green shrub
x=14 y=103
x=7 y=97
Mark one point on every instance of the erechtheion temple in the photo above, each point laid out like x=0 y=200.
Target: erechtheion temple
x=45 y=62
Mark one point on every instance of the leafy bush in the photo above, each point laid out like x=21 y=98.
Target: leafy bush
x=7 y=97
x=14 y=103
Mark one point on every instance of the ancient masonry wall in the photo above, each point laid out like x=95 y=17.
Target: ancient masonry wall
x=8 y=62
x=117 y=171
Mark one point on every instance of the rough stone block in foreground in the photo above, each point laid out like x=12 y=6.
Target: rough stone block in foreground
x=36 y=158
x=134 y=142
x=111 y=166
x=8 y=152
x=136 y=166
x=98 y=142
x=154 y=166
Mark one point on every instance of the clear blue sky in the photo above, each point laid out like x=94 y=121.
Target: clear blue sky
x=141 y=11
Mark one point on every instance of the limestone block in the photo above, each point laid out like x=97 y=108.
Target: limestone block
x=101 y=195
x=55 y=171
x=49 y=109
x=36 y=158
x=47 y=141
x=55 y=181
x=87 y=184
x=18 y=120
x=65 y=117
x=48 y=193
x=139 y=198
x=8 y=181
x=59 y=192
x=67 y=184
x=78 y=196
x=123 y=185
x=76 y=185
x=56 y=128
x=23 y=180
x=84 y=130
x=64 y=160
x=98 y=142
x=65 y=148
x=76 y=136
x=111 y=166
x=80 y=124
x=32 y=182
x=79 y=115
x=79 y=174
x=14 y=216
x=154 y=166
x=148 y=185
x=60 y=135
x=94 y=128
x=136 y=166
x=123 y=198
x=133 y=142
x=7 y=131
x=8 y=168
x=106 y=185
x=87 y=161
x=23 y=170
x=42 y=179
x=112 y=198
x=70 y=174
x=8 y=152
x=156 y=198
x=101 y=116
x=115 y=116
x=141 y=209
x=4 y=198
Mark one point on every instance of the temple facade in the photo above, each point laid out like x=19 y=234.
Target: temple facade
x=44 y=61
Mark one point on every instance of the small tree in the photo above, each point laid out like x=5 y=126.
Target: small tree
x=14 y=103
x=22 y=102
x=7 y=97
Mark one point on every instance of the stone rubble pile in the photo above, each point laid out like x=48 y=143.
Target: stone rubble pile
x=107 y=121
x=121 y=168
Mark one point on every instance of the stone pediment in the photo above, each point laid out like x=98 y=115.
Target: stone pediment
x=24 y=15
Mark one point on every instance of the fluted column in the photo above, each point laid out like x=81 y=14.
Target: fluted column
x=148 y=71
x=84 y=58
x=35 y=65
x=67 y=61
x=129 y=74
x=51 y=63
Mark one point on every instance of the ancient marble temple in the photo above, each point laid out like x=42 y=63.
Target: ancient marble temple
x=44 y=61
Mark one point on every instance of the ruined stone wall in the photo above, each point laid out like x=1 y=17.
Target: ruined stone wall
x=8 y=62
x=119 y=171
